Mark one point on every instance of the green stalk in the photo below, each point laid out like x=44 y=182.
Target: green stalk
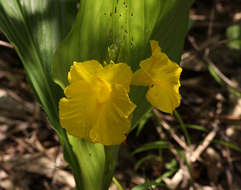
x=111 y=157
x=183 y=127
x=96 y=164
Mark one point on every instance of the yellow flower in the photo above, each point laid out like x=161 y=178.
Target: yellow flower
x=97 y=106
x=162 y=76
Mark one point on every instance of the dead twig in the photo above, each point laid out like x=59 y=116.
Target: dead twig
x=166 y=126
x=199 y=150
x=5 y=44
x=225 y=79
x=228 y=117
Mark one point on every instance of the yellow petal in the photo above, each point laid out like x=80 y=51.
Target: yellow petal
x=167 y=72
x=97 y=106
x=164 y=97
x=155 y=48
x=121 y=101
x=83 y=70
x=140 y=78
x=117 y=74
x=77 y=111
x=109 y=128
x=112 y=124
x=162 y=75
x=153 y=65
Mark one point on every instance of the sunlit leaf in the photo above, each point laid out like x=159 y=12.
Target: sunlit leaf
x=35 y=28
x=121 y=30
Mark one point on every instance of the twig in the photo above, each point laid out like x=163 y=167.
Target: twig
x=192 y=40
x=182 y=174
x=211 y=43
x=196 y=154
x=166 y=126
x=228 y=117
x=226 y=154
x=5 y=44
x=225 y=79
x=210 y=31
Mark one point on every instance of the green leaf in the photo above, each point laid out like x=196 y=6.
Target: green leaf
x=92 y=162
x=142 y=160
x=214 y=74
x=171 y=26
x=123 y=27
x=96 y=163
x=117 y=184
x=143 y=121
x=196 y=127
x=121 y=30
x=146 y=185
x=172 y=165
x=233 y=33
x=165 y=175
x=151 y=146
x=183 y=127
x=221 y=82
x=35 y=28
x=227 y=144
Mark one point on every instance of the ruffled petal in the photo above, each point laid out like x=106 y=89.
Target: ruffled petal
x=113 y=124
x=155 y=48
x=119 y=73
x=109 y=128
x=97 y=106
x=164 y=97
x=84 y=70
x=76 y=112
x=141 y=78
x=162 y=76
x=153 y=66
x=121 y=101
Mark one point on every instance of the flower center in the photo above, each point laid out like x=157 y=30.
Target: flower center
x=103 y=90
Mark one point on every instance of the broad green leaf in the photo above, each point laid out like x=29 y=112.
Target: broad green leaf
x=92 y=158
x=35 y=28
x=121 y=30
x=103 y=30
x=97 y=163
